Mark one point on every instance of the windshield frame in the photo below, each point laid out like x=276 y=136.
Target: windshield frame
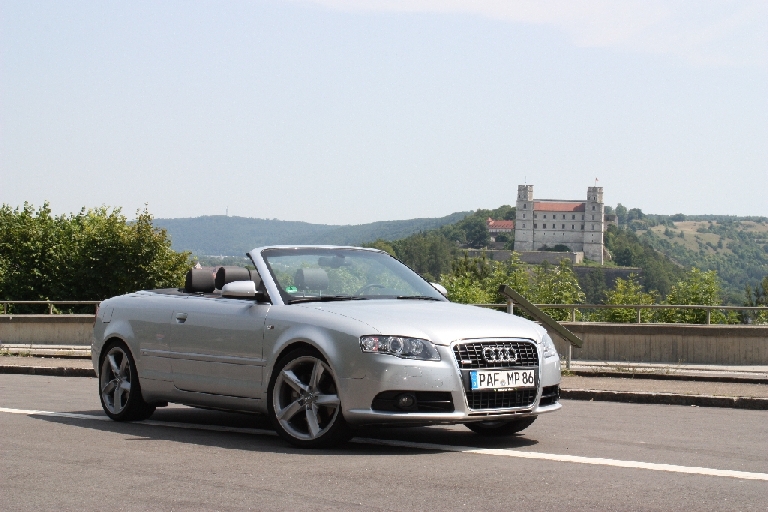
x=268 y=252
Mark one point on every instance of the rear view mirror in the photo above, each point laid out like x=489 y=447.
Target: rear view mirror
x=440 y=288
x=332 y=262
x=239 y=290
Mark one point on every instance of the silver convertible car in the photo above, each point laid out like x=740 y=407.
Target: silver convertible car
x=323 y=340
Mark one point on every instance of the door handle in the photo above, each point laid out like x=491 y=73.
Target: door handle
x=181 y=317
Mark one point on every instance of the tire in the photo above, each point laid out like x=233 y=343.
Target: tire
x=303 y=401
x=500 y=428
x=119 y=388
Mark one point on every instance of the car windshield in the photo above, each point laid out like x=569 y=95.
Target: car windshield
x=318 y=274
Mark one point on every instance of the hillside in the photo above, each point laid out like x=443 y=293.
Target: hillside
x=736 y=248
x=234 y=236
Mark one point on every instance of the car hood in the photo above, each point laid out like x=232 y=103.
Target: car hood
x=439 y=322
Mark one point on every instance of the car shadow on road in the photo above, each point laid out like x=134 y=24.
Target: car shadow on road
x=197 y=426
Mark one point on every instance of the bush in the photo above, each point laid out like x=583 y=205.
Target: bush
x=477 y=280
x=627 y=291
x=556 y=285
x=697 y=288
x=92 y=255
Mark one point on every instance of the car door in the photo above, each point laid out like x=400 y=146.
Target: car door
x=216 y=346
x=150 y=326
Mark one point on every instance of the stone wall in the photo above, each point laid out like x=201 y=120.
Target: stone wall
x=533 y=257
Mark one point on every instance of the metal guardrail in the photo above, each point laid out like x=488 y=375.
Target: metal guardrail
x=515 y=298
x=538 y=314
x=49 y=303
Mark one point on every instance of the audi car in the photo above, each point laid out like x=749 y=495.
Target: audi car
x=323 y=340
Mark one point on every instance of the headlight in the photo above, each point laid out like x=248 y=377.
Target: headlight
x=548 y=346
x=408 y=348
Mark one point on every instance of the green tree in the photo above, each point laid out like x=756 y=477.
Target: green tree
x=628 y=291
x=382 y=245
x=429 y=253
x=756 y=298
x=629 y=250
x=697 y=288
x=476 y=231
x=594 y=287
x=477 y=280
x=92 y=255
x=555 y=285
x=621 y=214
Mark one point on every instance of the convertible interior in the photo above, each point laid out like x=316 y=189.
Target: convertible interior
x=203 y=282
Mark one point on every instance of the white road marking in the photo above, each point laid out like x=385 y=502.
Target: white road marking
x=499 y=452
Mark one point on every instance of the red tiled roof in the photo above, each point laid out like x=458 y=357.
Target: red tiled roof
x=500 y=224
x=559 y=207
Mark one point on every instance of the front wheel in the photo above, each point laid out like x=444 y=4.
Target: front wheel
x=119 y=387
x=303 y=401
x=501 y=428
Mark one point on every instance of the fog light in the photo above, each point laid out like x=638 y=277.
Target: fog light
x=405 y=401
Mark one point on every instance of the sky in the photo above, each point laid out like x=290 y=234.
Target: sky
x=351 y=111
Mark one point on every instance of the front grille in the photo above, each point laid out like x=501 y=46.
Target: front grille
x=501 y=399
x=470 y=355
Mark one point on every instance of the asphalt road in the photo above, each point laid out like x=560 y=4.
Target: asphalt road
x=590 y=455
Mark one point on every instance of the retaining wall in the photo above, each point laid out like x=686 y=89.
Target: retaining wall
x=46 y=329
x=669 y=343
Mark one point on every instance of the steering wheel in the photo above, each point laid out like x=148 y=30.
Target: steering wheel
x=368 y=287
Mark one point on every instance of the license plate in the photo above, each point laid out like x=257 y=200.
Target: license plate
x=502 y=379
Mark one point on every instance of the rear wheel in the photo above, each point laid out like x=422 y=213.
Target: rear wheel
x=119 y=387
x=501 y=428
x=303 y=401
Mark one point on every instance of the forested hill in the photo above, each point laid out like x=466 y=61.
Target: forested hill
x=736 y=249
x=234 y=236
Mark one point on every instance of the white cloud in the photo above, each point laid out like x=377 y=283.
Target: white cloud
x=701 y=32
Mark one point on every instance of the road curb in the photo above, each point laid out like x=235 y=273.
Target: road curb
x=641 y=397
x=666 y=376
x=53 y=371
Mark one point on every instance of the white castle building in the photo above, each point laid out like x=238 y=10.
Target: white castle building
x=579 y=225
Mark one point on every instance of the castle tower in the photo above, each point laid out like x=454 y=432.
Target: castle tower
x=593 y=224
x=524 y=219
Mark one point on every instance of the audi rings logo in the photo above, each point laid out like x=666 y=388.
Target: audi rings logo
x=499 y=355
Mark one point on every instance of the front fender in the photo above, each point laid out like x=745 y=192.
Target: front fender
x=102 y=332
x=336 y=338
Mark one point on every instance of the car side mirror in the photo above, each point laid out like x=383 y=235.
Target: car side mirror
x=440 y=288
x=240 y=290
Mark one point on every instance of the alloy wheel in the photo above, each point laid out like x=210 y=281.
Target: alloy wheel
x=115 y=380
x=305 y=398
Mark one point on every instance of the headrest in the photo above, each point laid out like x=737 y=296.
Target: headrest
x=256 y=278
x=311 y=279
x=228 y=274
x=199 y=280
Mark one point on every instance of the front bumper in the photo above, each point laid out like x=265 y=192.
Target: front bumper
x=386 y=373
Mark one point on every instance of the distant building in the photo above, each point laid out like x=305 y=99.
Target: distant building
x=496 y=227
x=545 y=223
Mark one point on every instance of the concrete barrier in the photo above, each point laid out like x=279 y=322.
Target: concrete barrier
x=46 y=329
x=669 y=343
